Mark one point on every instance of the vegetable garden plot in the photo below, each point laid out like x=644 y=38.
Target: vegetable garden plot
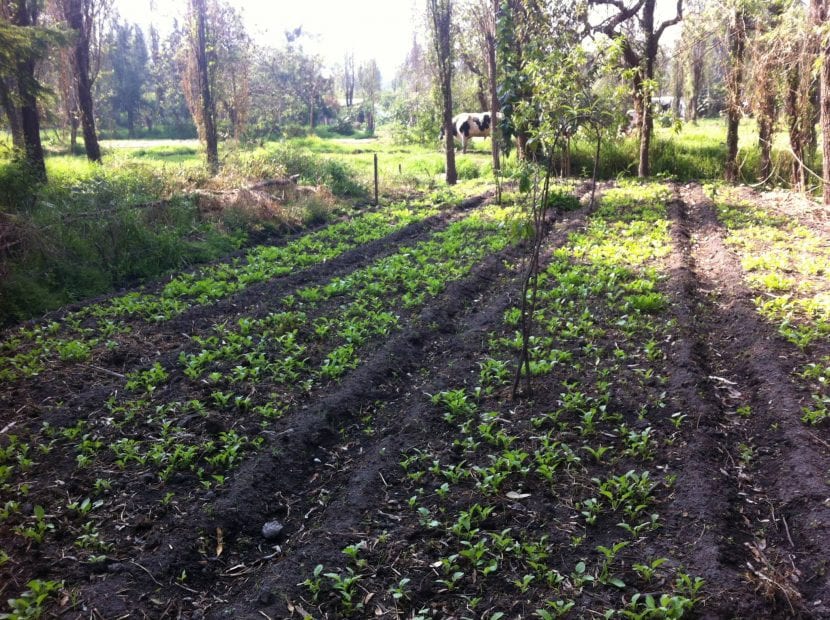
x=787 y=265
x=183 y=425
x=364 y=423
x=27 y=351
x=773 y=459
x=504 y=509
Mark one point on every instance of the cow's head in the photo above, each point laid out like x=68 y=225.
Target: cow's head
x=442 y=133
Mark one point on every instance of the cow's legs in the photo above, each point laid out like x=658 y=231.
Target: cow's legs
x=464 y=143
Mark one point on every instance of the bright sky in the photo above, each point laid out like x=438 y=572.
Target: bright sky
x=379 y=29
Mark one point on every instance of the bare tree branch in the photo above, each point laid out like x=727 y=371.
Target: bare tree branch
x=671 y=22
x=610 y=27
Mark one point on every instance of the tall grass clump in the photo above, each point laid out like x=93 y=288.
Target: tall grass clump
x=467 y=169
x=316 y=169
x=74 y=239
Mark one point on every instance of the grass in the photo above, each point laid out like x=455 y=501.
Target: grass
x=88 y=231
x=79 y=236
x=697 y=152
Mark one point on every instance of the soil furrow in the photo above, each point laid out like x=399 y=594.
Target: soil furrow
x=704 y=501
x=779 y=473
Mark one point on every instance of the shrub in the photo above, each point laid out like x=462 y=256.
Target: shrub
x=467 y=168
x=82 y=239
x=295 y=131
x=562 y=201
x=315 y=211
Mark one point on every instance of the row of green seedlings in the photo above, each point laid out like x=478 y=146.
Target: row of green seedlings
x=267 y=351
x=787 y=265
x=31 y=349
x=582 y=463
x=168 y=448
x=361 y=306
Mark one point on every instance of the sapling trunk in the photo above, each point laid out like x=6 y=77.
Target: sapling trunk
x=530 y=284
x=596 y=168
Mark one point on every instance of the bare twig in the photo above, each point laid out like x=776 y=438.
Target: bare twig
x=112 y=373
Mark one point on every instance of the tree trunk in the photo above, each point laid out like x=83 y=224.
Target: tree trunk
x=694 y=94
x=208 y=108
x=26 y=16
x=677 y=88
x=766 y=114
x=796 y=134
x=74 y=12
x=765 y=125
x=801 y=104
x=311 y=113
x=449 y=135
x=646 y=76
x=12 y=114
x=495 y=130
x=482 y=93
x=737 y=45
x=644 y=167
x=73 y=134
x=821 y=15
x=440 y=14
x=647 y=124
x=521 y=144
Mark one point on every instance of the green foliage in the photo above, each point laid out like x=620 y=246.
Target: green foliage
x=89 y=230
x=336 y=175
x=30 y=604
x=561 y=200
x=467 y=168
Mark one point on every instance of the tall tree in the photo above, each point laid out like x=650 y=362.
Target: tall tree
x=440 y=15
x=820 y=17
x=801 y=92
x=639 y=58
x=677 y=83
x=489 y=19
x=766 y=51
x=369 y=77
x=230 y=60
x=24 y=15
x=694 y=53
x=483 y=42
x=515 y=38
x=80 y=15
x=737 y=35
x=348 y=78
x=15 y=43
x=129 y=72
x=206 y=117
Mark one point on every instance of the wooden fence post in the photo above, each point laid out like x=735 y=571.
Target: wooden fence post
x=376 y=179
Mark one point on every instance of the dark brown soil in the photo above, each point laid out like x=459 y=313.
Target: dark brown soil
x=755 y=529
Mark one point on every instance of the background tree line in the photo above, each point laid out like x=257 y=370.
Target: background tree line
x=76 y=67
x=80 y=70
x=729 y=59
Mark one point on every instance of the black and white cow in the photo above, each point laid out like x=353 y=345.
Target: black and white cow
x=470 y=125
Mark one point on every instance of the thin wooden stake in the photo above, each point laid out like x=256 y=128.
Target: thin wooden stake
x=376 y=179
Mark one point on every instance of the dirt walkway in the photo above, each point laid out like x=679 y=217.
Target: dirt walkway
x=757 y=490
